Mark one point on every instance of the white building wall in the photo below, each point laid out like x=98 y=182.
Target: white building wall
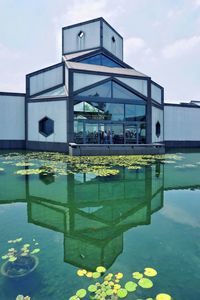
x=182 y=123
x=157 y=116
x=45 y=80
x=12 y=117
x=90 y=39
x=114 y=47
x=55 y=110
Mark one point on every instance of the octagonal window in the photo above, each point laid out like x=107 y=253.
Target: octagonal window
x=46 y=126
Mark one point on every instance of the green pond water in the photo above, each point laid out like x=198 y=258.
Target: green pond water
x=147 y=217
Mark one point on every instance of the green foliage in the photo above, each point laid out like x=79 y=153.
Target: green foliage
x=110 y=287
x=59 y=164
x=22 y=250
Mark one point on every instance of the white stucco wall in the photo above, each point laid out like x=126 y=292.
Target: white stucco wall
x=157 y=116
x=90 y=39
x=12 y=117
x=46 y=79
x=55 y=110
x=115 y=48
x=182 y=123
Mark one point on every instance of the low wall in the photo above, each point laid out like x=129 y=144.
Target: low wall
x=120 y=149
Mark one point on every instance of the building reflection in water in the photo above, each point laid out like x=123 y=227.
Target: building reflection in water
x=93 y=213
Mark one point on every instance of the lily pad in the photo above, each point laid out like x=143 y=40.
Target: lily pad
x=35 y=251
x=145 y=283
x=122 y=293
x=130 y=286
x=92 y=288
x=12 y=258
x=137 y=275
x=81 y=293
x=163 y=297
x=119 y=275
x=150 y=272
x=74 y=298
x=101 y=269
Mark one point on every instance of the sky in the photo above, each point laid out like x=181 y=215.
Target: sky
x=161 y=39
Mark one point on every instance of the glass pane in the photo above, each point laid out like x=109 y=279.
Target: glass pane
x=86 y=110
x=117 y=133
x=100 y=60
x=121 y=92
x=78 y=132
x=135 y=112
x=91 y=133
x=95 y=60
x=131 y=135
x=103 y=90
x=137 y=84
x=105 y=133
x=140 y=113
x=156 y=93
x=56 y=92
x=82 y=80
x=142 y=133
x=109 y=63
x=114 y=112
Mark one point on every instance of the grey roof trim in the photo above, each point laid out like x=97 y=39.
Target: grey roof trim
x=182 y=105
x=12 y=94
x=103 y=69
x=77 y=54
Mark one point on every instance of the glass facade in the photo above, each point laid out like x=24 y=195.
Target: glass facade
x=101 y=60
x=109 y=123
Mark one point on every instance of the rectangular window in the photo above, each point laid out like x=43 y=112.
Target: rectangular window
x=156 y=93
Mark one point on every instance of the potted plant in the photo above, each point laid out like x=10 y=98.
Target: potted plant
x=20 y=259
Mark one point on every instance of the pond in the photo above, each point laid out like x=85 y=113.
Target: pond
x=123 y=213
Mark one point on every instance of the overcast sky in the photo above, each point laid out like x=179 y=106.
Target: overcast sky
x=161 y=38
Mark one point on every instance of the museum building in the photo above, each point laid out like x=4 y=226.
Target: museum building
x=91 y=97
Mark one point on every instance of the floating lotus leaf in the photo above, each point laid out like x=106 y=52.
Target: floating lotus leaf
x=89 y=274
x=12 y=258
x=35 y=251
x=117 y=286
x=119 y=275
x=81 y=293
x=92 y=288
x=4 y=257
x=101 y=269
x=130 y=286
x=18 y=240
x=80 y=273
x=150 y=272
x=137 y=275
x=74 y=298
x=10 y=241
x=96 y=275
x=20 y=297
x=149 y=299
x=163 y=297
x=145 y=283
x=122 y=293
x=1 y=169
x=109 y=292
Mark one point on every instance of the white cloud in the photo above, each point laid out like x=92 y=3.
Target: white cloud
x=175 y=13
x=181 y=46
x=134 y=44
x=197 y=2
